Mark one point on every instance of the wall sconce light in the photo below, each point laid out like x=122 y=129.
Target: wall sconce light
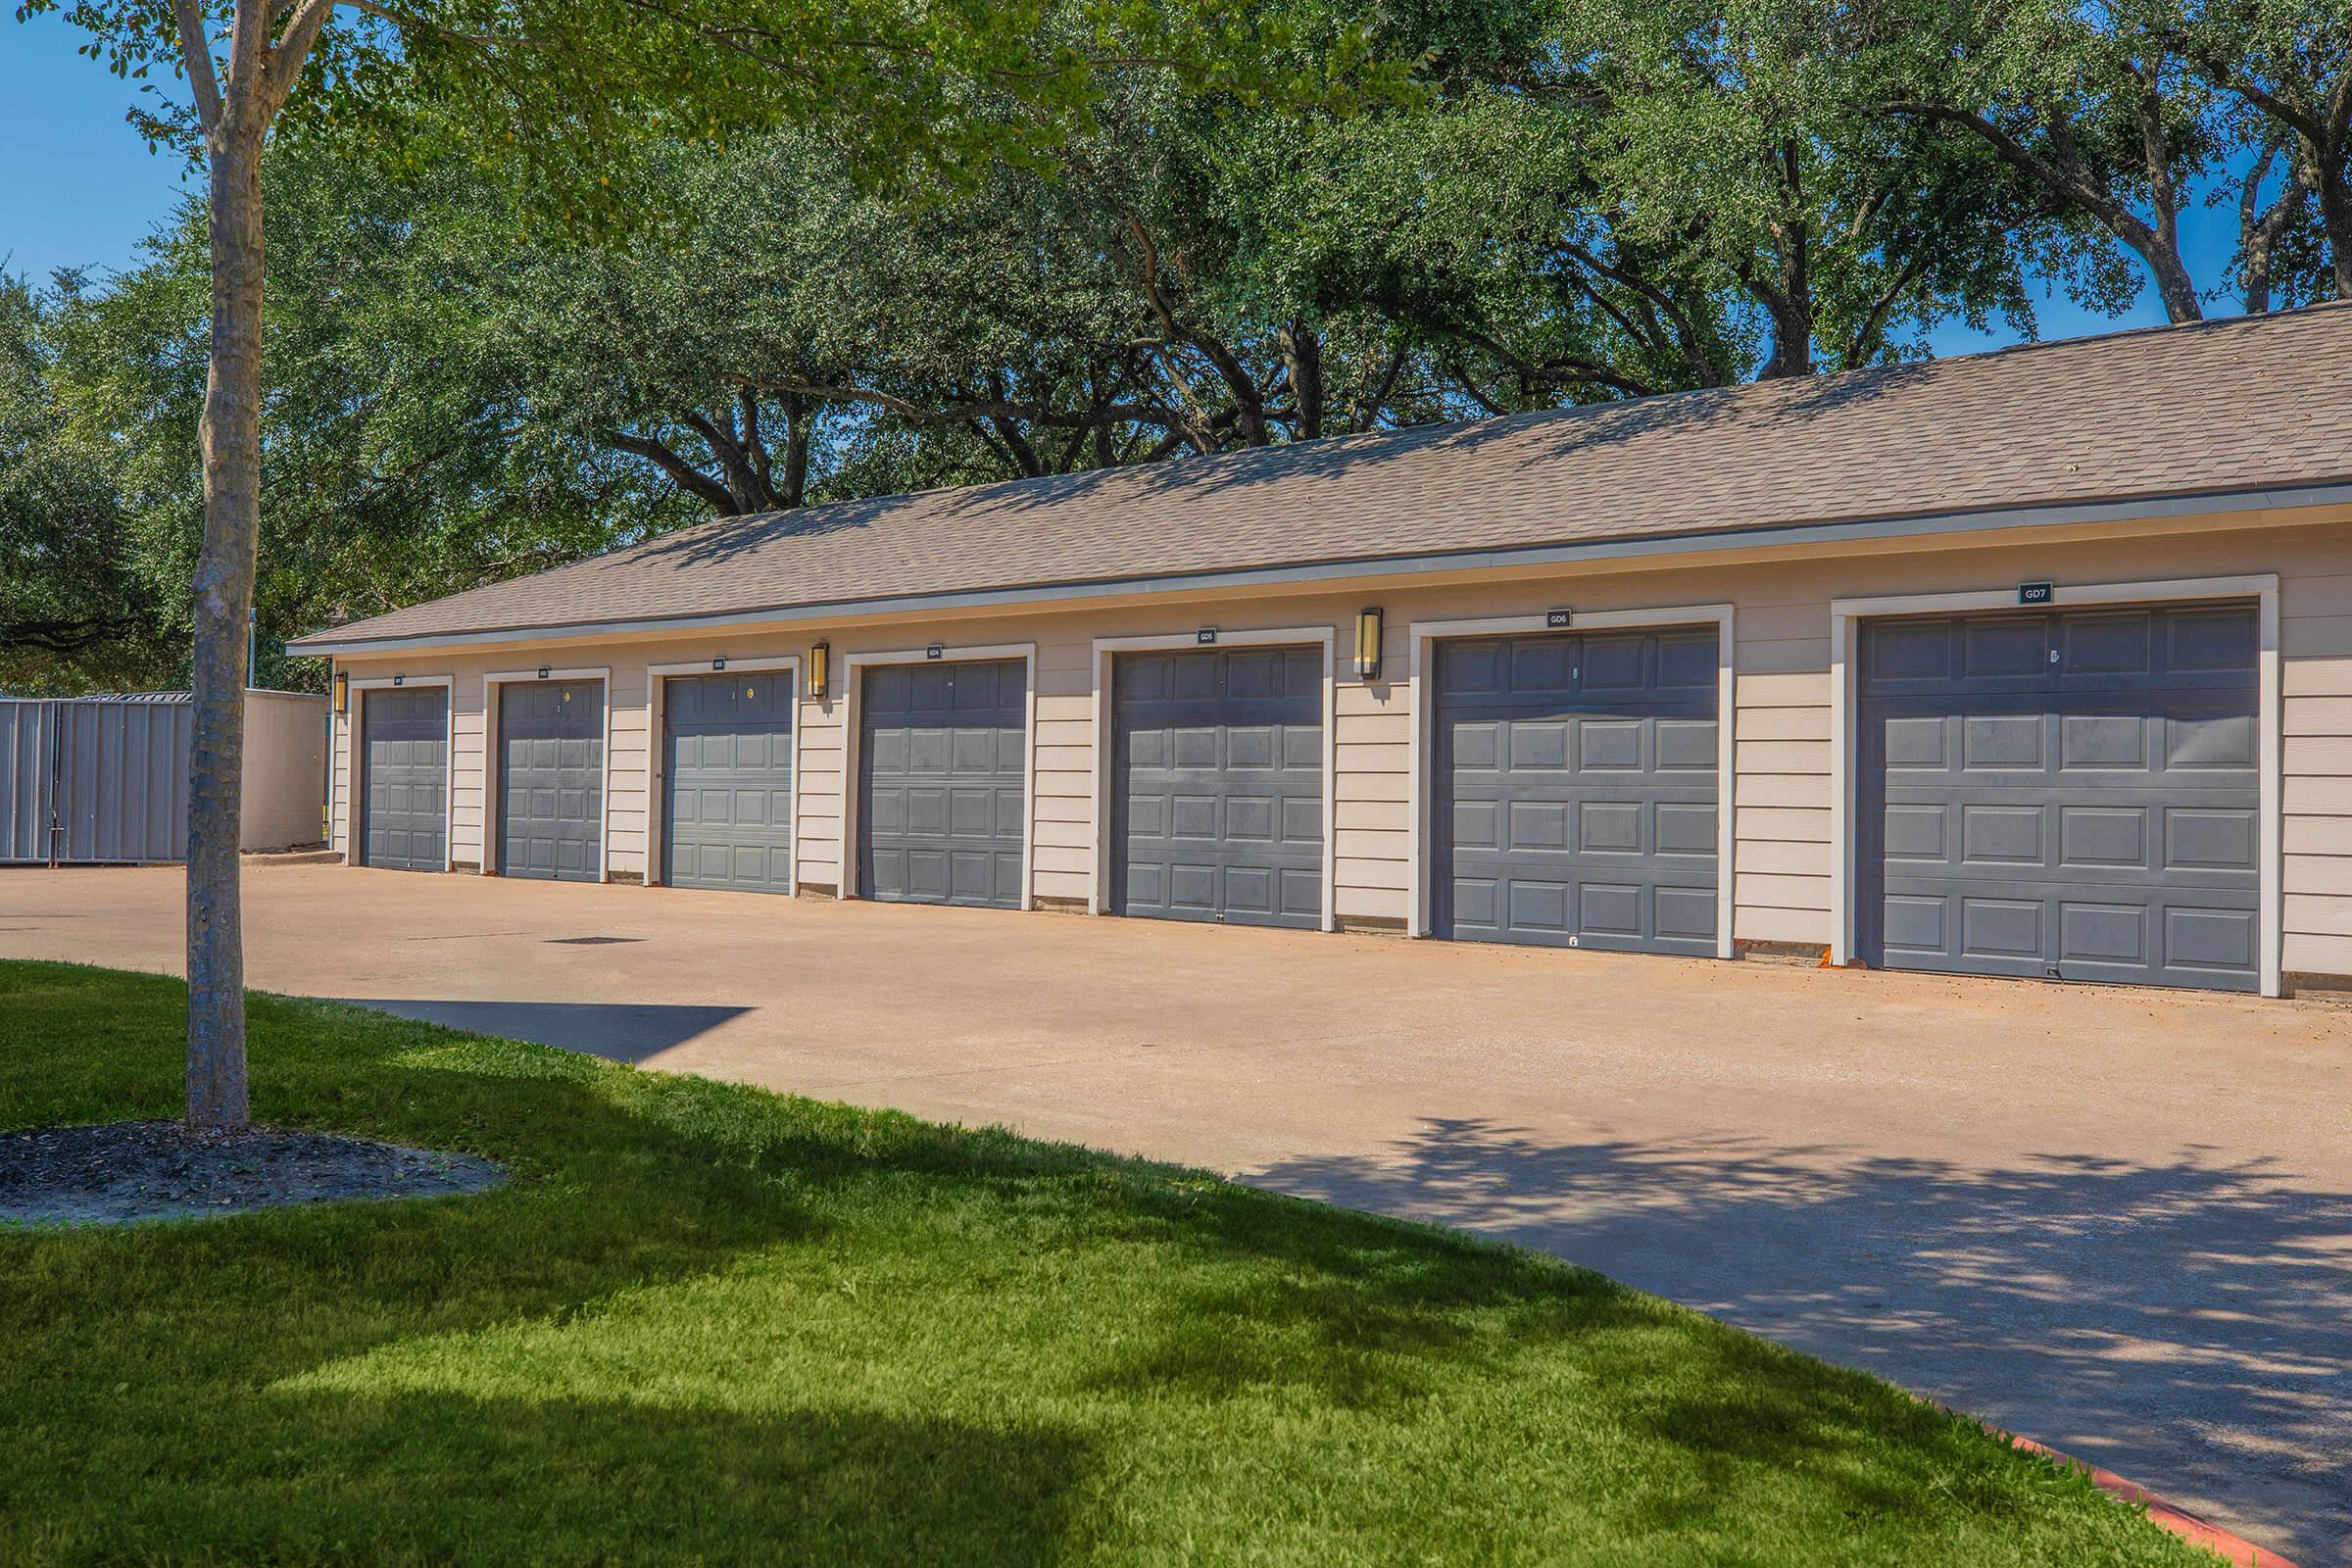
x=820 y=660
x=342 y=691
x=1367 y=644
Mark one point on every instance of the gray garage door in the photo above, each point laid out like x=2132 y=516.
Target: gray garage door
x=1217 y=789
x=551 y=780
x=2071 y=795
x=941 y=762
x=726 y=781
x=1574 y=791
x=404 y=731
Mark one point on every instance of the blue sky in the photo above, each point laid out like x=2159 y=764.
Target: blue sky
x=78 y=188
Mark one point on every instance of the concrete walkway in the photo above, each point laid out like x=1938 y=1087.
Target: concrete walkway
x=2116 y=1221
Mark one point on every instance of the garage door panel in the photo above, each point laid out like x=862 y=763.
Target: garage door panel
x=1686 y=913
x=2225 y=741
x=1193 y=887
x=1689 y=662
x=1610 y=908
x=1616 y=663
x=1686 y=830
x=2002 y=648
x=2117 y=643
x=1248 y=890
x=1476 y=824
x=1607 y=745
x=1543 y=826
x=2211 y=839
x=2104 y=839
x=2096 y=820
x=2221 y=642
x=551 y=780
x=2221 y=942
x=1218 y=787
x=1535 y=904
x=1301 y=894
x=943 y=758
x=1687 y=743
x=404 y=742
x=1574 y=788
x=1249 y=819
x=2116 y=741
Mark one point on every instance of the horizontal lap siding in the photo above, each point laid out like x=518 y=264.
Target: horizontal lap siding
x=1781 y=806
x=628 y=771
x=1063 y=804
x=467 y=805
x=820 y=762
x=2314 y=637
x=1371 y=822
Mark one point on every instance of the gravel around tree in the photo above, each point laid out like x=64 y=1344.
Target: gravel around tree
x=126 y=1171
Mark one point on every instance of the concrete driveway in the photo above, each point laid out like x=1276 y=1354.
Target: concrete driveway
x=2117 y=1221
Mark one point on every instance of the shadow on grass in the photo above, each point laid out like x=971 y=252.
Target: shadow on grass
x=572 y=1481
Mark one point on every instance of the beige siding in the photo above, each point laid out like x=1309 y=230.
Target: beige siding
x=1784 y=875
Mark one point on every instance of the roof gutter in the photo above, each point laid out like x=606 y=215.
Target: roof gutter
x=1910 y=525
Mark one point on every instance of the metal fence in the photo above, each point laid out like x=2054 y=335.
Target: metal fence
x=94 y=779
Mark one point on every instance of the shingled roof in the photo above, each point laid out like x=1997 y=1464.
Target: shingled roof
x=2223 y=406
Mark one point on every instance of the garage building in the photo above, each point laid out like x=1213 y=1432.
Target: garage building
x=2034 y=663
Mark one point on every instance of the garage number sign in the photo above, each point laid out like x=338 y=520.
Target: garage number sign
x=935 y=651
x=2037 y=593
x=1557 y=619
x=1206 y=636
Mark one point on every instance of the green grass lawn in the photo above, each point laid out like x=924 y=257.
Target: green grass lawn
x=707 y=1323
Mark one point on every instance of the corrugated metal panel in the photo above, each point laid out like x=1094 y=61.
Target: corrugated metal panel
x=93 y=779
x=27 y=734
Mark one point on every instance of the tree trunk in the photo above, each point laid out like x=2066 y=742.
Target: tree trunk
x=224 y=570
x=1303 y=353
x=1789 y=306
x=2335 y=214
x=2173 y=285
x=1791 y=343
x=799 y=416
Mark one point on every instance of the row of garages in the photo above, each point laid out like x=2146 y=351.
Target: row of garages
x=2068 y=793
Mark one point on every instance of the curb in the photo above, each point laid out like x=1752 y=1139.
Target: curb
x=2170 y=1515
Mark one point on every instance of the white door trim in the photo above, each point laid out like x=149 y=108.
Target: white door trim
x=1104 y=648
x=1421 y=634
x=493 y=826
x=853 y=698
x=656 y=752
x=356 y=729
x=1845 y=618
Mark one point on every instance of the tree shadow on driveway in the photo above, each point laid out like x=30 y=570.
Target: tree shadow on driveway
x=2187 y=1324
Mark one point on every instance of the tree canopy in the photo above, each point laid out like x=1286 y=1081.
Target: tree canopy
x=1584 y=200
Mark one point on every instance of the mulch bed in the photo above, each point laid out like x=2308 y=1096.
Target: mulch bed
x=134 y=1170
